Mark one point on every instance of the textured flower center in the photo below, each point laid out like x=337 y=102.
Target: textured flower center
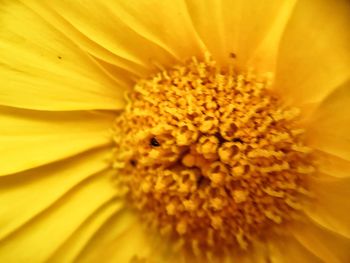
x=211 y=157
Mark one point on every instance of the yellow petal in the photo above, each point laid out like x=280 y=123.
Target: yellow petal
x=234 y=26
x=121 y=239
x=83 y=41
x=37 y=240
x=333 y=165
x=166 y=23
x=26 y=194
x=289 y=250
x=329 y=129
x=331 y=207
x=327 y=246
x=259 y=254
x=314 y=55
x=74 y=246
x=264 y=57
x=140 y=36
x=30 y=138
x=40 y=68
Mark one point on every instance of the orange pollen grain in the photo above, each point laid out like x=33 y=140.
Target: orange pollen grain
x=211 y=157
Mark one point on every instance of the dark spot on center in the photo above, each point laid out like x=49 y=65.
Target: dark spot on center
x=154 y=142
x=221 y=139
x=200 y=180
x=233 y=55
x=133 y=162
x=59 y=57
x=237 y=140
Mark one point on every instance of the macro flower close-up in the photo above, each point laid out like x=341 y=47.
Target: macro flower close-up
x=163 y=131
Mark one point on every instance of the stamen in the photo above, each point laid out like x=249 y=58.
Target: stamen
x=211 y=157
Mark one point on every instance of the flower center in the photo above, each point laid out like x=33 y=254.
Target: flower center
x=211 y=157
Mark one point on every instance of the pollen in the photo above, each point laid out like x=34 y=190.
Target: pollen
x=211 y=158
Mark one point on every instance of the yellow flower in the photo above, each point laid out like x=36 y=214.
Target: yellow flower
x=169 y=131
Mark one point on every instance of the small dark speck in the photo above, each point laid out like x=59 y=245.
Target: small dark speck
x=59 y=57
x=133 y=163
x=220 y=138
x=237 y=140
x=200 y=180
x=233 y=55
x=154 y=142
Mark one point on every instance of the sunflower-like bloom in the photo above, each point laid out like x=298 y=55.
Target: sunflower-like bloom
x=175 y=131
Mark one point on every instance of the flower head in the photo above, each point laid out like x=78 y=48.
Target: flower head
x=174 y=131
